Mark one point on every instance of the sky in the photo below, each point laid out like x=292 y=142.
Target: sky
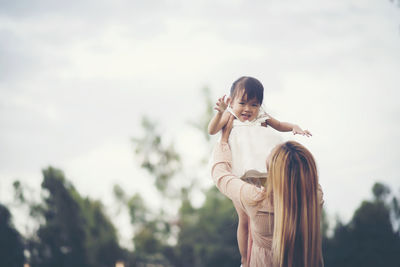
x=76 y=78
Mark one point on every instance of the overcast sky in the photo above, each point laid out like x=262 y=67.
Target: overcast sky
x=76 y=77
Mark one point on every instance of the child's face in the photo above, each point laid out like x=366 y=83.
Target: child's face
x=245 y=109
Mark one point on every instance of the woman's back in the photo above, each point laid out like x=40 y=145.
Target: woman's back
x=261 y=211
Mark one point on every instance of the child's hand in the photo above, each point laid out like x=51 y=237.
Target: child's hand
x=297 y=130
x=221 y=104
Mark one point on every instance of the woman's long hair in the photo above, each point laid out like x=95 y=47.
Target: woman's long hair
x=292 y=186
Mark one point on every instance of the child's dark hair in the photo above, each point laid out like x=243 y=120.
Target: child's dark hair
x=251 y=86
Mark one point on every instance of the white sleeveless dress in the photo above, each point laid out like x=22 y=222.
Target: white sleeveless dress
x=251 y=143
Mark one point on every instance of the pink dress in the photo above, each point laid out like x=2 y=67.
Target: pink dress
x=244 y=195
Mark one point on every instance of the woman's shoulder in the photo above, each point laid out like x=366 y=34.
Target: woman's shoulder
x=255 y=198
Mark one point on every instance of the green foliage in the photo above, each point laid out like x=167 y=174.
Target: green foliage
x=151 y=231
x=380 y=191
x=146 y=241
x=396 y=213
x=324 y=224
x=19 y=195
x=75 y=232
x=62 y=237
x=22 y=200
x=150 y=243
x=137 y=209
x=11 y=242
x=208 y=234
x=101 y=237
x=161 y=160
x=119 y=194
x=368 y=239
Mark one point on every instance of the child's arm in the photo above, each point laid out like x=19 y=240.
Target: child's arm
x=220 y=118
x=286 y=127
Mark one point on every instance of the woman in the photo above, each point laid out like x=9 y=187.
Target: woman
x=285 y=214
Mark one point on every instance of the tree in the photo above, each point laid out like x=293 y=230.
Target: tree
x=101 y=243
x=150 y=230
x=159 y=159
x=368 y=239
x=203 y=237
x=73 y=231
x=61 y=239
x=11 y=242
x=207 y=235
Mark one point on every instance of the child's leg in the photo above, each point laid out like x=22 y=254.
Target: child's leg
x=242 y=233
x=249 y=246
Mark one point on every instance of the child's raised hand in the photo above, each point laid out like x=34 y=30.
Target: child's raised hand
x=221 y=104
x=297 y=130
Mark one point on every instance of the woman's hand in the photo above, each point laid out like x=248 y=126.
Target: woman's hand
x=226 y=131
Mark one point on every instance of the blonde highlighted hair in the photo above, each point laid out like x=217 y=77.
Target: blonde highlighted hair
x=292 y=187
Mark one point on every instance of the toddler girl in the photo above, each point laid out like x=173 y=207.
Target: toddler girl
x=250 y=140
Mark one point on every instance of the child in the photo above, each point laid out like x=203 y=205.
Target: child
x=250 y=140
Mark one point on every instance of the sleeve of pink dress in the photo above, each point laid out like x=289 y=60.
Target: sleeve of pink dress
x=221 y=172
